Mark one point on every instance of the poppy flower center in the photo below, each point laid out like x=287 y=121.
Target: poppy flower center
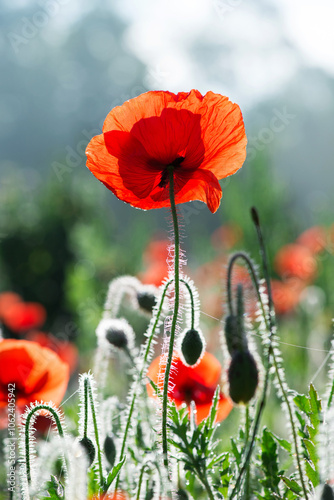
x=165 y=173
x=196 y=392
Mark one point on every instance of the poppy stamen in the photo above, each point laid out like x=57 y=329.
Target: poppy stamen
x=165 y=173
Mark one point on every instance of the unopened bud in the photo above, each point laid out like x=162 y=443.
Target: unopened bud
x=327 y=493
x=192 y=346
x=181 y=494
x=243 y=377
x=89 y=447
x=116 y=332
x=146 y=300
x=110 y=450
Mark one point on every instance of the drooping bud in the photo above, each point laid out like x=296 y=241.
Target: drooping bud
x=110 y=449
x=327 y=493
x=116 y=332
x=192 y=346
x=243 y=377
x=181 y=494
x=146 y=300
x=89 y=448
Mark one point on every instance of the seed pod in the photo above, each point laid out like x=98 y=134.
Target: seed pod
x=146 y=300
x=243 y=377
x=192 y=347
x=327 y=493
x=89 y=449
x=117 y=338
x=110 y=449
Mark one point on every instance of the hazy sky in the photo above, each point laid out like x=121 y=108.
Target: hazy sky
x=262 y=43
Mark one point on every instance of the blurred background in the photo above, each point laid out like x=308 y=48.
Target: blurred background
x=65 y=63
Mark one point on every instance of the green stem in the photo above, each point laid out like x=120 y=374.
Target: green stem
x=206 y=484
x=192 y=305
x=140 y=481
x=96 y=430
x=156 y=320
x=247 y=432
x=27 y=434
x=280 y=376
x=174 y=320
x=85 y=426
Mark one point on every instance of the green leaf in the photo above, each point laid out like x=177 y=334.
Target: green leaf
x=113 y=474
x=292 y=485
x=312 y=474
x=311 y=448
x=303 y=403
x=54 y=489
x=269 y=458
x=315 y=404
x=286 y=445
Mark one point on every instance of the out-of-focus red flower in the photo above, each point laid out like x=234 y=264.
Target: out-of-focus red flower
x=196 y=384
x=7 y=299
x=36 y=372
x=201 y=139
x=23 y=316
x=66 y=350
x=314 y=239
x=155 y=258
x=226 y=237
x=295 y=261
x=286 y=294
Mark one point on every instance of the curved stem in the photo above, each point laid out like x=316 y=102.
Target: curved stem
x=88 y=387
x=174 y=320
x=27 y=434
x=140 y=481
x=192 y=303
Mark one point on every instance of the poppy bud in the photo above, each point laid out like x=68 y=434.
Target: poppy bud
x=117 y=332
x=89 y=449
x=181 y=494
x=231 y=333
x=192 y=347
x=243 y=377
x=110 y=450
x=146 y=300
x=327 y=493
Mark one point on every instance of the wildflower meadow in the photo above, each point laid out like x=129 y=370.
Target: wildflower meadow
x=197 y=383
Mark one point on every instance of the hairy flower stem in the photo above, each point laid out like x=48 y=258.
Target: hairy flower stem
x=89 y=396
x=279 y=375
x=27 y=433
x=174 y=320
x=140 y=481
x=202 y=477
x=149 y=341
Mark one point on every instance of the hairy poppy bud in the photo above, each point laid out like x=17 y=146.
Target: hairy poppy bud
x=192 y=346
x=243 y=377
x=117 y=332
x=181 y=494
x=89 y=447
x=146 y=300
x=327 y=493
x=110 y=450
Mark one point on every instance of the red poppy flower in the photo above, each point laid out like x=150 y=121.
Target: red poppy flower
x=23 y=316
x=66 y=350
x=286 y=294
x=295 y=261
x=314 y=239
x=6 y=300
x=196 y=384
x=37 y=373
x=200 y=138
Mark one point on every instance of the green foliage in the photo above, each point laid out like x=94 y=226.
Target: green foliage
x=55 y=490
